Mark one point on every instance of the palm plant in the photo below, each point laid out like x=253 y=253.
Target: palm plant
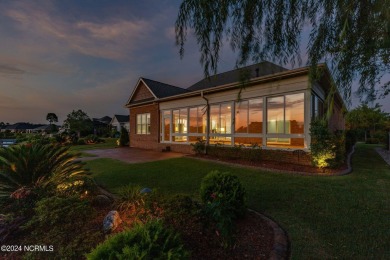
x=36 y=166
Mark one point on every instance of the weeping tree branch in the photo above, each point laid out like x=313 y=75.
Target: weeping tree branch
x=352 y=36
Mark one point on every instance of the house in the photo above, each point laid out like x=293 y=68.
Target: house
x=101 y=125
x=21 y=127
x=273 y=110
x=119 y=121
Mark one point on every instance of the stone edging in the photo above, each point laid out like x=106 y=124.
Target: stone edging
x=281 y=247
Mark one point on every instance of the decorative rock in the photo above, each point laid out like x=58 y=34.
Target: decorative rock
x=101 y=201
x=111 y=221
x=146 y=190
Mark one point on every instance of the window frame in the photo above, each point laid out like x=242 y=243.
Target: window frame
x=142 y=125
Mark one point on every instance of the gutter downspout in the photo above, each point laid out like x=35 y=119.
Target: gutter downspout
x=207 y=120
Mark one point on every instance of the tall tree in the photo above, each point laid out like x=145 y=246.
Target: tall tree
x=352 y=36
x=78 y=121
x=51 y=117
x=367 y=119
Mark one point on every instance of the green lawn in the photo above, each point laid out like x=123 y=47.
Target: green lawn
x=325 y=217
x=108 y=143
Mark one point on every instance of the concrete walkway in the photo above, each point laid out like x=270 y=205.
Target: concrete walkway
x=131 y=155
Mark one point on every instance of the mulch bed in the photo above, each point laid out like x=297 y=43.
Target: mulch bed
x=279 y=166
x=253 y=239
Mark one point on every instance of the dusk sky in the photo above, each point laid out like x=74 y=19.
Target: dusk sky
x=59 y=56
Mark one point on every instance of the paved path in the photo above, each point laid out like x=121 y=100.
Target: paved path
x=385 y=154
x=131 y=155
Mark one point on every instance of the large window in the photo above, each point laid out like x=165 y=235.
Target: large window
x=180 y=127
x=285 y=117
x=198 y=122
x=143 y=123
x=221 y=123
x=249 y=122
x=240 y=123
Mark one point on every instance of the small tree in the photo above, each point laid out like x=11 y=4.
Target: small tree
x=124 y=139
x=51 y=117
x=79 y=122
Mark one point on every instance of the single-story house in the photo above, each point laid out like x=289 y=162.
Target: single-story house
x=21 y=127
x=120 y=120
x=273 y=110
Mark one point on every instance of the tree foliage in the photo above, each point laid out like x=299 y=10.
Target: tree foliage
x=51 y=117
x=78 y=121
x=352 y=36
x=368 y=119
x=124 y=138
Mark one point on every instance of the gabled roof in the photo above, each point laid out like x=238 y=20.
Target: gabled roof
x=161 y=90
x=121 y=118
x=157 y=89
x=249 y=72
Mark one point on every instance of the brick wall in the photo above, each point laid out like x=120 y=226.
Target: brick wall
x=142 y=93
x=145 y=141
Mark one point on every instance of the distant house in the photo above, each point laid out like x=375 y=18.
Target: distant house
x=43 y=129
x=274 y=110
x=101 y=125
x=120 y=120
x=21 y=128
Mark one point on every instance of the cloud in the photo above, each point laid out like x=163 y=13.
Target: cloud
x=8 y=70
x=114 y=39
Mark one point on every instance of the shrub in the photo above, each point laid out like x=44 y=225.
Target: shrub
x=38 y=167
x=149 y=241
x=93 y=139
x=82 y=186
x=81 y=141
x=180 y=208
x=129 y=197
x=67 y=224
x=327 y=149
x=224 y=200
x=142 y=206
x=124 y=138
x=200 y=146
x=372 y=140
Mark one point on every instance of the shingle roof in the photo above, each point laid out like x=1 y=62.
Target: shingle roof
x=105 y=119
x=44 y=127
x=21 y=126
x=122 y=118
x=161 y=90
x=256 y=70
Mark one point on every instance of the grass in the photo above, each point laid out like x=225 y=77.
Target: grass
x=108 y=143
x=325 y=217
